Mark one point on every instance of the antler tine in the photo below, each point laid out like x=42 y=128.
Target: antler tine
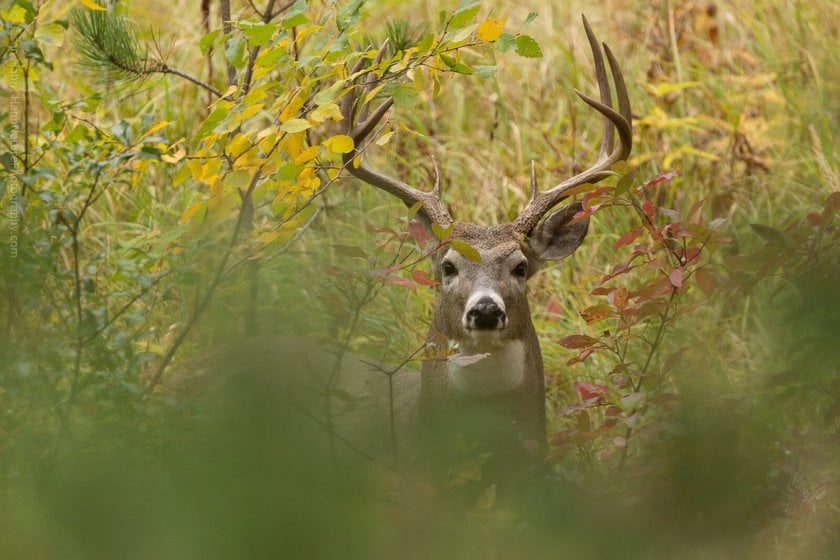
x=433 y=209
x=621 y=121
x=603 y=87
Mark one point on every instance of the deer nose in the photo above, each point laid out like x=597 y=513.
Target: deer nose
x=486 y=314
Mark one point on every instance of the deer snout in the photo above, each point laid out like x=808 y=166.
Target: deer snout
x=485 y=313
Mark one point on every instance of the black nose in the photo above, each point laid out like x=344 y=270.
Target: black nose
x=485 y=314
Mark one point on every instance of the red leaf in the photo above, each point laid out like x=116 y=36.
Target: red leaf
x=588 y=403
x=581 y=357
x=400 y=281
x=553 y=305
x=814 y=219
x=662 y=178
x=589 y=391
x=706 y=282
x=648 y=208
x=596 y=313
x=619 y=297
x=628 y=237
x=423 y=279
x=600 y=291
x=676 y=277
x=590 y=195
x=578 y=341
x=418 y=232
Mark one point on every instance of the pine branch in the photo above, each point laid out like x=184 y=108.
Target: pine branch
x=109 y=47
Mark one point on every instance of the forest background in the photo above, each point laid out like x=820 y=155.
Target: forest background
x=171 y=184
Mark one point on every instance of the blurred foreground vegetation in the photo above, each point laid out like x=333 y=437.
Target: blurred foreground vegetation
x=151 y=223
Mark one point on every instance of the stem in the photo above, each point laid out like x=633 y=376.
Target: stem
x=164 y=69
x=226 y=29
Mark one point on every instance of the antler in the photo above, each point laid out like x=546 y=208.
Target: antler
x=433 y=208
x=542 y=201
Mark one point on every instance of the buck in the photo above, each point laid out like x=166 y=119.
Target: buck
x=491 y=393
x=482 y=307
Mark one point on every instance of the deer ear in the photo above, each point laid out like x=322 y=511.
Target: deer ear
x=555 y=237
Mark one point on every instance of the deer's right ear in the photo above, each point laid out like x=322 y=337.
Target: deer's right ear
x=556 y=237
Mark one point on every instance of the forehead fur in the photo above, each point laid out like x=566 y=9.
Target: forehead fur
x=501 y=239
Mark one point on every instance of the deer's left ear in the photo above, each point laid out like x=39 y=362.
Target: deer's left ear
x=555 y=237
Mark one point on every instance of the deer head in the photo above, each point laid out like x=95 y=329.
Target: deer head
x=483 y=305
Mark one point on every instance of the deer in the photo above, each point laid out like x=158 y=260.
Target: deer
x=482 y=307
x=492 y=392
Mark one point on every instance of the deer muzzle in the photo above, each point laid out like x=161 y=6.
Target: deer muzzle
x=485 y=311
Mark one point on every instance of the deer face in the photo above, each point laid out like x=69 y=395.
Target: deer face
x=483 y=305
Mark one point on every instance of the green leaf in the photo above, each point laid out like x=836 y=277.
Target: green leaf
x=261 y=34
x=465 y=15
x=237 y=179
x=328 y=95
x=295 y=20
x=270 y=57
x=467 y=251
x=526 y=46
x=405 y=95
x=531 y=17
x=461 y=68
x=625 y=182
x=235 y=51
x=289 y=171
x=486 y=71
x=448 y=60
x=505 y=42
x=207 y=41
x=426 y=43
x=441 y=232
x=213 y=119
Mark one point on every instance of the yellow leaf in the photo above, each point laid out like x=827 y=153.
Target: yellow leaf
x=308 y=154
x=249 y=112
x=296 y=125
x=216 y=192
x=491 y=29
x=239 y=144
x=92 y=5
x=292 y=108
x=155 y=128
x=384 y=139
x=326 y=111
x=174 y=158
x=340 y=144
x=15 y=14
x=196 y=168
x=191 y=211
x=294 y=144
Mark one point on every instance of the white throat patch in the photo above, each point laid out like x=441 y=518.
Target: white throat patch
x=502 y=370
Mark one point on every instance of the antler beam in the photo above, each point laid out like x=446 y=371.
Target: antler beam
x=621 y=120
x=433 y=209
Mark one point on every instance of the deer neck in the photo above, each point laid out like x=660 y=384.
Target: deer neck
x=484 y=372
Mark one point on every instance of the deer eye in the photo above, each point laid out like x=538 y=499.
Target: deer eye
x=448 y=269
x=521 y=269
